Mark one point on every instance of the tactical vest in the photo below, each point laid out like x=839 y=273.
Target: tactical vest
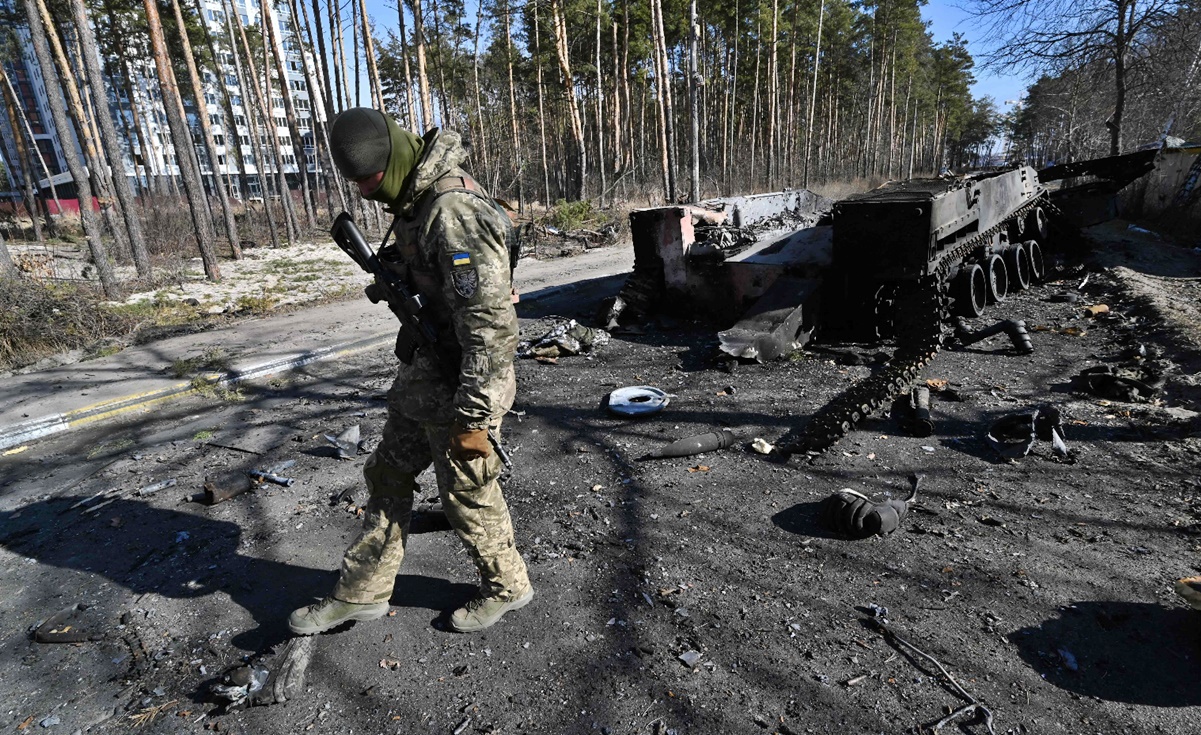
x=419 y=269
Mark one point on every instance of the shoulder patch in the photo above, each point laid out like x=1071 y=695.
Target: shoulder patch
x=460 y=259
x=466 y=281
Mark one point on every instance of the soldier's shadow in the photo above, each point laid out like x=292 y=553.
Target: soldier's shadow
x=187 y=556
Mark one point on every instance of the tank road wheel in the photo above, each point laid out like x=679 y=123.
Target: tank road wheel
x=970 y=291
x=1018 y=261
x=1034 y=252
x=1017 y=229
x=1036 y=224
x=998 y=279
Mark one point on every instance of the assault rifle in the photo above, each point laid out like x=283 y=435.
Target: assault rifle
x=415 y=330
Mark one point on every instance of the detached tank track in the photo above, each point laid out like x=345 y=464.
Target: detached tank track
x=921 y=310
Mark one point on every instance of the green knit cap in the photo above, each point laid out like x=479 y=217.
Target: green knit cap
x=364 y=141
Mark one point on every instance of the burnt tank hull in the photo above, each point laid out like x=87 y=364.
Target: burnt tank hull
x=907 y=229
x=925 y=231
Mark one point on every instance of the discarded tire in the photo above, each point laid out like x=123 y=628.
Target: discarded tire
x=970 y=291
x=1017 y=260
x=997 y=277
x=1034 y=252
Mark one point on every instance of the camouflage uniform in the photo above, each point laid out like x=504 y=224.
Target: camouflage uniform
x=451 y=249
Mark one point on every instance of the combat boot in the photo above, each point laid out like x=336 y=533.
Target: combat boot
x=483 y=612
x=332 y=612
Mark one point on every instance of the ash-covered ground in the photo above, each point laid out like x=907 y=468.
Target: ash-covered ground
x=690 y=595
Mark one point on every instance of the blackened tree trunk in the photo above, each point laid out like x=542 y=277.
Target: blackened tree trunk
x=83 y=188
x=185 y=155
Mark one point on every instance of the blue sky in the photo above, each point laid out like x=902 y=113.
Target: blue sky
x=944 y=16
x=947 y=19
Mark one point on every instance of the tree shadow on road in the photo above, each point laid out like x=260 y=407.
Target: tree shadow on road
x=1131 y=652
x=184 y=556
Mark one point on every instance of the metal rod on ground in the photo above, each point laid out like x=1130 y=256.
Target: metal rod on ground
x=974 y=704
x=151 y=489
x=275 y=469
x=97 y=496
x=271 y=477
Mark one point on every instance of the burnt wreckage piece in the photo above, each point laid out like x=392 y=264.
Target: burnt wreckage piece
x=895 y=263
x=853 y=514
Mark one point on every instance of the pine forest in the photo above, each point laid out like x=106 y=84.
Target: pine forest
x=634 y=102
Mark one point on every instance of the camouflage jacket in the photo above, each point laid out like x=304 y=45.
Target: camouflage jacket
x=453 y=249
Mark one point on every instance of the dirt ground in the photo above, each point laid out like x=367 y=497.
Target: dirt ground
x=691 y=595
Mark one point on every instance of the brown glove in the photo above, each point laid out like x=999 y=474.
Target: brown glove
x=468 y=444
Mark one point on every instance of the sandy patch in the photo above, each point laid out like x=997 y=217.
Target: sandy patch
x=279 y=276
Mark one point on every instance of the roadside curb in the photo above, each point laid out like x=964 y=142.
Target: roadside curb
x=60 y=423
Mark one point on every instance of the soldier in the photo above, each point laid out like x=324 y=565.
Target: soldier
x=450 y=247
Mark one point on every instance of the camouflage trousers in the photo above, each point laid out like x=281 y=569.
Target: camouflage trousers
x=471 y=498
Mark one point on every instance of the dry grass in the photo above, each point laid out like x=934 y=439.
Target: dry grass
x=150 y=714
x=37 y=320
x=842 y=189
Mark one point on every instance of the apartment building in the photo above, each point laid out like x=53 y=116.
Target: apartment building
x=137 y=107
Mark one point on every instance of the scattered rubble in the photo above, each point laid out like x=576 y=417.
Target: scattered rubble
x=62 y=627
x=1131 y=383
x=567 y=337
x=1014 y=436
x=347 y=444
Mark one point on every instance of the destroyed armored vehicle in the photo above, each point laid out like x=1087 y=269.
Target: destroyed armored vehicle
x=893 y=263
x=977 y=237
x=793 y=262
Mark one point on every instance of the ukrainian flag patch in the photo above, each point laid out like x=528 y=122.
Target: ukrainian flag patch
x=460 y=259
